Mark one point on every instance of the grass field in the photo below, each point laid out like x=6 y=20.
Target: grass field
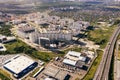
x=4 y=75
x=94 y=66
x=21 y=47
x=101 y=36
x=4 y=30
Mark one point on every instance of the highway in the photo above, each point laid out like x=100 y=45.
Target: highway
x=102 y=72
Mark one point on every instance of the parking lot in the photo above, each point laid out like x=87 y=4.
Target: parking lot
x=60 y=72
x=52 y=71
x=4 y=58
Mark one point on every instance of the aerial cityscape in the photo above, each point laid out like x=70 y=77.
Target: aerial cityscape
x=59 y=39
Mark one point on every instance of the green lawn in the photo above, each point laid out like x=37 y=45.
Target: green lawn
x=94 y=66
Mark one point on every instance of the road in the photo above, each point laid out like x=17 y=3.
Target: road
x=102 y=72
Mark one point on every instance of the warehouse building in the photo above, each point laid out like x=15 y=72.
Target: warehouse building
x=74 y=59
x=20 y=65
x=5 y=39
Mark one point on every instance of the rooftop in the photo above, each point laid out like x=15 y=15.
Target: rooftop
x=48 y=79
x=74 y=54
x=72 y=58
x=18 y=64
x=51 y=71
x=26 y=28
x=70 y=62
x=61 y=75
x=54 y=72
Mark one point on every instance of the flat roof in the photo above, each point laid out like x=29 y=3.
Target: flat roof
x=18 y=64
x=48 y=79
x=80 y=64
x=44 y=38
x=82 y=58
x=61 y=75
x=70 y=62
x=73 y=56
x=51 y=71
x=26 y=28
x=73 y=53
x=54 y=72
x=1 y=36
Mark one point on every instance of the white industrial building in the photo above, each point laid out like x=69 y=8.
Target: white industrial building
x=75 y=59
x=75 y=56
x=69 y=62
x=2 y=38
x=20 y=65
x=5 y=39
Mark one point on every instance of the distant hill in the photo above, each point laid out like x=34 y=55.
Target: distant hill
x=19 y=1
x=42 y=0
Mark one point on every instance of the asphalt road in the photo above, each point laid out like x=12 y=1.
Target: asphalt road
x=102 y=72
